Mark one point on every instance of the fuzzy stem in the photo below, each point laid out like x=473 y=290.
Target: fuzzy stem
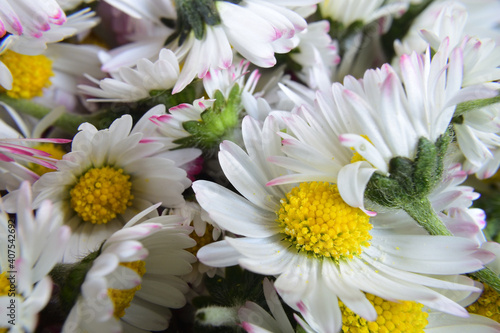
x=421 y=211
x=68 y=122
x=486 y=275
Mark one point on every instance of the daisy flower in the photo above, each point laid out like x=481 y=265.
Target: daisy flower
x=108 y=177
x=34 y=244
x=255 y=29
x=403 y=316
x=21 y=55
x=130 y=85
x=319 y=247
x=205 y=231
x=134 y=277
x=31 y=18
x=380 y=117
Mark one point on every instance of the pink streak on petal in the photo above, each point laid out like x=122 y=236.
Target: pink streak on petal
x=16 y=24
x=5 y=158
x=247 y=327
x=343 y=139
x=147 y=141
x=273 y=182
x=180 y=107
x=302 y=307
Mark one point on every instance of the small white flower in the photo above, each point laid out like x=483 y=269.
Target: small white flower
x=78 y=22
x=108 y=177
x=129 y=85
x=256 y=29
x=205 y=232
x=33 y=245
x=135 y=278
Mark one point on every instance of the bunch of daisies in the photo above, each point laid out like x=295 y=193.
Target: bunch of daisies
x=249 y=166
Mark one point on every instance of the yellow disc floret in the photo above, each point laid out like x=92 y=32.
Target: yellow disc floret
x=121 y=298
x=55 y=151
x=201 y=241
x=30 y=74
x=400 y=317
x=101 y=194
x=4 y=284
x=316 y=220
x=487 y=305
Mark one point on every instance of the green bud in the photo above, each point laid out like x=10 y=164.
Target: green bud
x=409 y=180
x=217 y=123
x=193 y=15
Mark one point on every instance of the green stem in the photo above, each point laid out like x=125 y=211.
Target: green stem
x=421 y=211
x=486 y=275
x=68 y=122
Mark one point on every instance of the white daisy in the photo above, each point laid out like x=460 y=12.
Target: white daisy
x=129 y=85
x=380 y=117
x=108 y=177
x=205 y=231
x=255 y=29
x=30 y=18
x=134 y=279
x=316 y=262
x=78 y=22
x=316 y=46
x=33 y=245
x=402 y=316
x=452 y=19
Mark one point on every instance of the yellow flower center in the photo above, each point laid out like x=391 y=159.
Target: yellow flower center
x=31 y=74
x=4 y=284
x=55 y=151
x=487 y=305
x=101 y=194
x=201 y=240
x=404 y=316
x=316 y=220
x=121 y=298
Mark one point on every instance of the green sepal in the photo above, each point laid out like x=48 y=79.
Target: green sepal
x=217 y=122
x=409 y=180
x=193 y=15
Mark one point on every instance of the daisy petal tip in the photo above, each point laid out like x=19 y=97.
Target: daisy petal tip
x=247 y=327
x=302 y=307
x=370 y=213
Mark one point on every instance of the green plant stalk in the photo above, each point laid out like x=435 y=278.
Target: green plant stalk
x=67 y=122
x=422 y=212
